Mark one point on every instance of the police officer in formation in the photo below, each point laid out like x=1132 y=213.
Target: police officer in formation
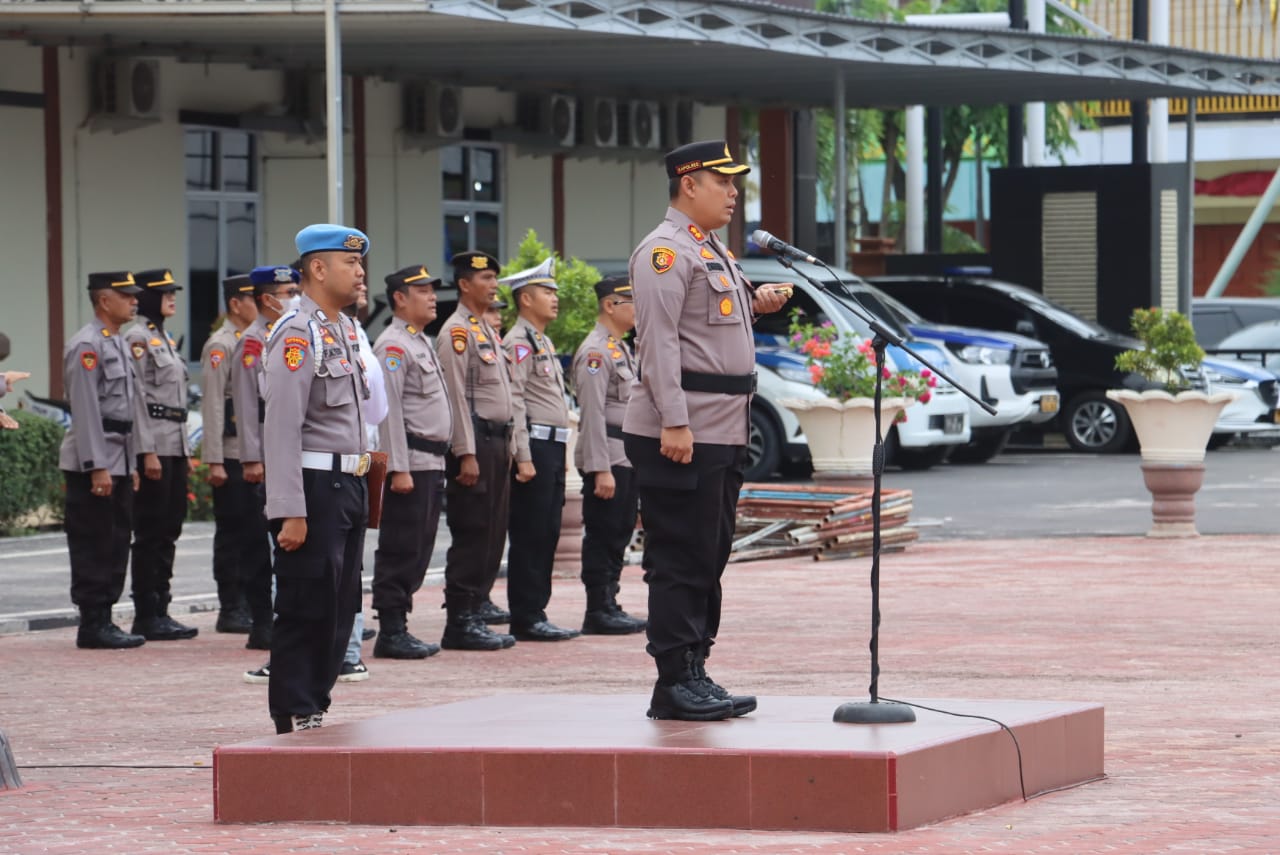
x=275 y=291
x=241 y=555
x=163 y=453
x=478 y=376
x=415 y=436
x=686 y=424
x=603 y=370
x=541 y=421
x=98 y=459
x=317 y=497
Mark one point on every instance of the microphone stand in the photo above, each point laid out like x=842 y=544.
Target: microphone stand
x=873 y=711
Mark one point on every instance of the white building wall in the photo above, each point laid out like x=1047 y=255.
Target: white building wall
x=124 y=203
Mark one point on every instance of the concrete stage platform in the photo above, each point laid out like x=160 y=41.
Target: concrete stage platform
x=595 y=760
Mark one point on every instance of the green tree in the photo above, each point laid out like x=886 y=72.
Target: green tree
x=575 y=280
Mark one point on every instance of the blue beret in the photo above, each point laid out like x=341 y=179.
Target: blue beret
x=327 y=237
x=273 y=274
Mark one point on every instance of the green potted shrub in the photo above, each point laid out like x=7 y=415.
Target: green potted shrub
x=1173 y=421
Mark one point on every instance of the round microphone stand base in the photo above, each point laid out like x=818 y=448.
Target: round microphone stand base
x=873 y=713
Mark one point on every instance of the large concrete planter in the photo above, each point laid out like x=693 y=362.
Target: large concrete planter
x=842 y=434
x=1173 y=431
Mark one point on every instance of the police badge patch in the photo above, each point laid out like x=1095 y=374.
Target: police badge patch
x=216 y=357
x=295 y=351
x=662 y=258
x=138 y=349
x=89 y=360
x=522 y=353
x=458 y=335
x=594 y=360
x=394 y=357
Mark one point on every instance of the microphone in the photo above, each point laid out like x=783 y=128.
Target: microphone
x=781 y=247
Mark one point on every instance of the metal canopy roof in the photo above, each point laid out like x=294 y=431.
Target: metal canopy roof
x=730 y=51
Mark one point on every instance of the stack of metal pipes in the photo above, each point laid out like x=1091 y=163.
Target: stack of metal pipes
x=783 y=520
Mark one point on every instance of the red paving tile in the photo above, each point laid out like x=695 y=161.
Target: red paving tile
x=1176 y=639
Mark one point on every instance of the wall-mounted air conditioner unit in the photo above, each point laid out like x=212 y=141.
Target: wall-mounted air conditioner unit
x=640 y=125
x=554 y=118
x=677 y=124
x=600 y=122
x=126 y=88
x=306 y=100
x=431 y=111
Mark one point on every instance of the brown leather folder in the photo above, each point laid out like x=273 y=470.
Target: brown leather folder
x=377 y=480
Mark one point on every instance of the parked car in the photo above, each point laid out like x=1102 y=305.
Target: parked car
x=1084 y=354
x=1259 y=344
x=1215 y=318
x=1010 y=372
x=923 y=440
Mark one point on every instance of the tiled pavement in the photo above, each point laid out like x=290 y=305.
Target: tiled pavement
x=1177 y=638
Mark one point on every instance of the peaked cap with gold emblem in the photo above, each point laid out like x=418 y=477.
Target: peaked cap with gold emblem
x=708 y=154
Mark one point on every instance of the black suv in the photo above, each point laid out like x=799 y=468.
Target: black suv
x=1084 y=352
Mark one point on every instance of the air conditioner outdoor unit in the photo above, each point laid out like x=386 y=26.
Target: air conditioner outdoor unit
x=127 y=87
x=677 y=124
x=639 y=125
x=431 y=110
x=306 y=100
x=552 y=117
x=600 y=122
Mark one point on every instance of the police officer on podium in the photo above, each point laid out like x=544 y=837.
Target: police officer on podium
x=478 y=466
x=686 y=425
x=317 y=497
x=97 y=458
x=163 y=457
x=415 y=436
x=603 y=369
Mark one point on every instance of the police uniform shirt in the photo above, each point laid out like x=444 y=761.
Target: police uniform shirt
x=216 y=408
x=602 y=374
x=374 y=406
x=477 y=374
x=162 y=377
x=247 y=388
x=100 y=385
x=693 y=313
x=315 y=388
x=537 y=384
x=416 y=399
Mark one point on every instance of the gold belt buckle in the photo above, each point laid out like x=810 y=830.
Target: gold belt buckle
x=362 y=468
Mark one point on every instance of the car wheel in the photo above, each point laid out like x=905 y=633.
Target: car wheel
x=981 y=449
x=913 y=459
x=764 y=446
x=1093 y=422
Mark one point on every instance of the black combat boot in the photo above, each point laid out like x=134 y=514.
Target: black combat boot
x=465 y=630
x=681 y=696
x=151 y=620
x=97 y=631
x=260 y=632
x=742 y=704
x=604 y=617
x=491 y=613
x=234 y=620
x=396 y=642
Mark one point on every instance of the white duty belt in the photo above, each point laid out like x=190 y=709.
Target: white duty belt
x=350 y=464
x=559 y=434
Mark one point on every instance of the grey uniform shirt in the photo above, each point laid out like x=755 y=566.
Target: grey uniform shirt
x=99 y=385
x=217 y=410
x=478 y=375
x=602 y=375
x=417 y=402
x=693 y=313
x=247 y=388
x=161 y=374
x=537 y=383
x=309 y=408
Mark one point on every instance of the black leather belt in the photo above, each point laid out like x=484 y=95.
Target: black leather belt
x=722 y=384
x=117 y=426
x=431 y=446
x=229 y=418
x=614 y=431
x=491 y=429
x=168 y=414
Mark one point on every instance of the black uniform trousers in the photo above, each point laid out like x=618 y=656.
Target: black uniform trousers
x=241 y=547
x=477 y=518
x=609 y=525
x=98 y=529
x=406 y=540
x=689 y=512
x=159 y=510
x=317 y=593
x=534 y=530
